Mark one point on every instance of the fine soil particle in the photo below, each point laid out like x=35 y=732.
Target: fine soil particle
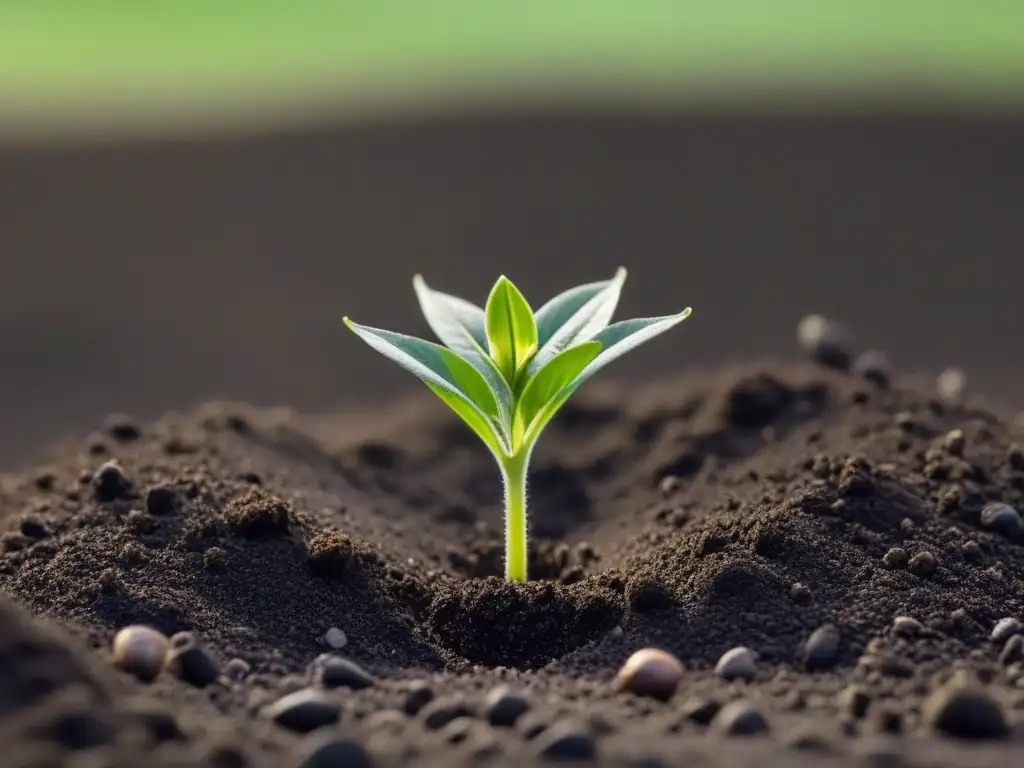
x=826 y=523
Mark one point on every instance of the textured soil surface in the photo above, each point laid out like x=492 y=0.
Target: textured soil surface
x=747 y=507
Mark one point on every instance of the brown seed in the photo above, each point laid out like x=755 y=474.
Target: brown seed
x=650 y=672
x=140 y=651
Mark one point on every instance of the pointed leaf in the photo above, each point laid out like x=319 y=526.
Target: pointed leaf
x=477 y=421
x=433 y=364
x=511 y=329
x=558 y=310
x=461 y=326
x=590 y=317
x=619 y=338
x=550 y=380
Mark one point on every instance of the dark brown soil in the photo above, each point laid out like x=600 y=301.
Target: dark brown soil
x=746 y=507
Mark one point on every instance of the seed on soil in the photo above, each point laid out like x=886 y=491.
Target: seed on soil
x=965 y=711
x=907 y=626
x=896 y=558
x=873 y=366
x=922 y=564
x=338 y=672
x=951 y=385
x=740 y=718
x=140 y=651
x=335 y=638
x=821 y=650
x=826 y=342
x=503 y=706
x=1006 y=628
x=566 y=740
x=192 y=664
x=1003 y=519
x=304 y=710
x=333 y=751
x=110 y=482
x=650 y=672
x=737 y=664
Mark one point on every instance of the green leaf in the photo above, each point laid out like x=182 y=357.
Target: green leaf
x=549 y=381
x=461 y=326
x=433 y=364
x=477 y=421
x=511 y=329
x=575 y=316
x=619 y=338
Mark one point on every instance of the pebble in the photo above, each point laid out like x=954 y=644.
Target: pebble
x=952 y=385
x=907 y=626
x=191 y=663
x=333 y=751
x=338 y=672
x=821 y=651
x=503 y=706
x=650 y=672
x=335 y=638
x=110 y=482
x=141 y=651
x=740 y=718
x=825 y=341
x=737 y=663
x=1003 y=519
x=304 y=710
x=1006 y=628
x=566 y=740
x=873 y=366
x=965 y=711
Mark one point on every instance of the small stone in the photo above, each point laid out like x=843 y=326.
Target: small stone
x=954 y=442
x=502 y=706
x=826 y=342
x=1006 y=628
x=161 y=500
x=896 y=558
x=951 y=385
x=439 y=713
x=193 y=664
x=337 y=672
x=140 y=651
x=1013 y=651
x=965 y=711
x=566 y=740
x=736 y=664
x=1003 y=519
x=333 y=751
x=304 y=710
x=122 y=427
x=922 y=564
x=821 y=651
x=740 y=718
x=650 y=672
x=855 y=701
x=335 y=638
x=237 y=669
x=417 y=696
x=907 y=626
x=110 y=482
x=873 y=366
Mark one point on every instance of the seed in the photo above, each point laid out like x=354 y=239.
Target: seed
x=650 y=672
x=140 y=651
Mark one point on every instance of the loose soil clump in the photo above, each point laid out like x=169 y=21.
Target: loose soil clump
x=839 y=548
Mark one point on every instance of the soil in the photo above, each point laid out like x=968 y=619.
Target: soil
x=748 y=506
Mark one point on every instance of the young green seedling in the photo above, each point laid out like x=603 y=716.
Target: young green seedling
x=507 y=370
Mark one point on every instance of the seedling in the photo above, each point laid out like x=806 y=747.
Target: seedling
x=507 y=370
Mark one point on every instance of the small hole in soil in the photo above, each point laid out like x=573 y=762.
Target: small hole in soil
x=498 y=623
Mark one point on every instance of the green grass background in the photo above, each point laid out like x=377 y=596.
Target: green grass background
x=69 y=61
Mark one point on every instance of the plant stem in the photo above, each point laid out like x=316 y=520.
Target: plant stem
x=513 y=473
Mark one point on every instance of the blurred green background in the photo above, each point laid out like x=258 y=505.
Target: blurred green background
x=77 y=65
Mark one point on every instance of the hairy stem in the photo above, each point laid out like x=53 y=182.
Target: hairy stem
x=513 y=473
